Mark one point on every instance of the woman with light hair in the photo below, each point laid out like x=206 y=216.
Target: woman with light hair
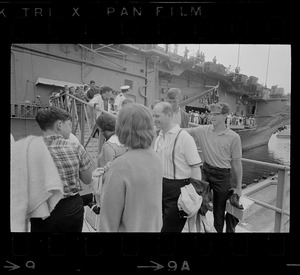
x=132 y=200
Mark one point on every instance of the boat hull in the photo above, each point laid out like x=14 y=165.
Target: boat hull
x=261 y=134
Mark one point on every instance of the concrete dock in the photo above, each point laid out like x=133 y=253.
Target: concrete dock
x=262 y=219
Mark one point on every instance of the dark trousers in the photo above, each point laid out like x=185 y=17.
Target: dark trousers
x=172 y=222
x=87 y=198
x=67 y=216
x=219 y=181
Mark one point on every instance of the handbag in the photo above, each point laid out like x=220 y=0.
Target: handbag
x=91 y=217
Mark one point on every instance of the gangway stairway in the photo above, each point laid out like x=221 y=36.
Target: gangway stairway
x=91 y=143
x=93 y=146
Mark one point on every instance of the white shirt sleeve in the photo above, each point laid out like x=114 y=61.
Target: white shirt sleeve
x=190 y=149
x=117 y=100
x=98 y=100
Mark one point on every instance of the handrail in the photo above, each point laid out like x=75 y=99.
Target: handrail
x=83 y=115
x=271 y=165
x=86 y=103
x=281 y=193
x=264 y=204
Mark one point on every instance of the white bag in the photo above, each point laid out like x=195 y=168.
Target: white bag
x=207 y=223
x=97 y=187
x=190 y=202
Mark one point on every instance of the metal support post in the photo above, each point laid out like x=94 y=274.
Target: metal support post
x=82 y=125
x=280 y=198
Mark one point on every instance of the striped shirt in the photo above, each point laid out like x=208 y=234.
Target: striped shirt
x=70 y=159
x=186 y=155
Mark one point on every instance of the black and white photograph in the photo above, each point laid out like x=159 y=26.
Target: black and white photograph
x=139 y=130
x=150 y=138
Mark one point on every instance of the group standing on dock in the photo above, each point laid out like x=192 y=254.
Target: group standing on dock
x=147 y=168
x=203 y=118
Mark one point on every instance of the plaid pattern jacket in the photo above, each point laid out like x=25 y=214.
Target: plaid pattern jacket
x=70 y=159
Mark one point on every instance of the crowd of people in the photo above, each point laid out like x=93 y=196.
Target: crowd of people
x=103 y=97
x=149 y=168
x=203 y=118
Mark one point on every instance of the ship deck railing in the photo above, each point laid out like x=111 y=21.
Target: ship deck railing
x=231 y=126
x=283 y=171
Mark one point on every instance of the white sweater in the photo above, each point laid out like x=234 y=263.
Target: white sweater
x=35 y=183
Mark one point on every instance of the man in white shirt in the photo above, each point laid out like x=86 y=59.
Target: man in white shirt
x=101 y=100
x=120 y=98
x=181 y=162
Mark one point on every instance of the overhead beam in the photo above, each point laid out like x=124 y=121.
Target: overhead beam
x=113 y=50
x=103 y=56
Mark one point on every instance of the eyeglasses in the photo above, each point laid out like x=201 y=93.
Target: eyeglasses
x=215 y=114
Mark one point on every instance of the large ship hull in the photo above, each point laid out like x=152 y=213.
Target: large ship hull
x=39 y=69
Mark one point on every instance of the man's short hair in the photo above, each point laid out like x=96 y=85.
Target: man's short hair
x=134 y=126
x=166 y=107
x=173 y=92
x=92 y=82
x=46 y=117
x=106 y=122
x=154 y=103
x=221 y=107
x=105 y=89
